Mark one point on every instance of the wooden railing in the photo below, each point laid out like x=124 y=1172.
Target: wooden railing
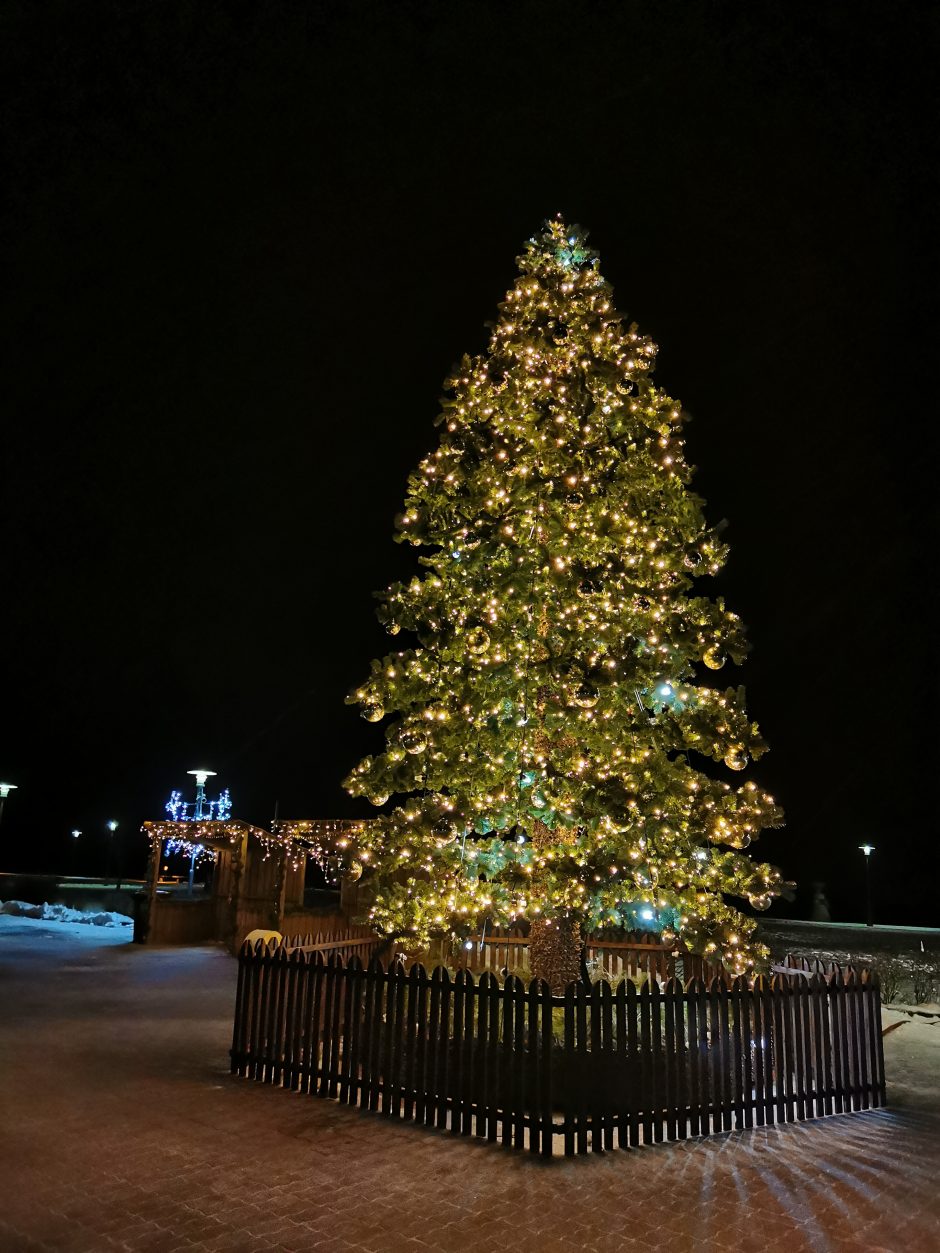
x=635 y=954
x=596 y=1068
x=351 y=941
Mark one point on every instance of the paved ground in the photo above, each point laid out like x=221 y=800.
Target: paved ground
x=120 y=1128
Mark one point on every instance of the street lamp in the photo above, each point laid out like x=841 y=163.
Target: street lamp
x=868 y=849
x=112 y=827
x=201 y=776
x=75 y=833
x=198 y=815
x=5 y=790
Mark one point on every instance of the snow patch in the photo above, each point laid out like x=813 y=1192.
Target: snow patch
x=63 y=913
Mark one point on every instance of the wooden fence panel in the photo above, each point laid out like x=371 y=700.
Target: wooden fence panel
x=629 y=1066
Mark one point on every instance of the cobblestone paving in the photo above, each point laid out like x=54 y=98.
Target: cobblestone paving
x=120 y=1129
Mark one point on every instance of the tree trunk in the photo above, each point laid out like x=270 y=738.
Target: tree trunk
x=555 y=951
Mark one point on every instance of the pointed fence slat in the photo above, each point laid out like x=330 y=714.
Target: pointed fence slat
x=621 y=1066
x=532 y=1068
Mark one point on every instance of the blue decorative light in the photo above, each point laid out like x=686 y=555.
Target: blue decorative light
x=176 y=808
x=220 y=810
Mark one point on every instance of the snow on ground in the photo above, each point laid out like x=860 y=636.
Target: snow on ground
x=45 y=922
x=912 y=1055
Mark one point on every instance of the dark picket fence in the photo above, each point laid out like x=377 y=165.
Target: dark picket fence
x=598 y=1068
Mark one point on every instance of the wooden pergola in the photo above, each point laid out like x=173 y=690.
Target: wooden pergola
x=257 y=880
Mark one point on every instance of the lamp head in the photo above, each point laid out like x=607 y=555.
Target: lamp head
x=112 y=825
x=867 y=849
x=75 y=833
x=201 y=776
x=6 y=789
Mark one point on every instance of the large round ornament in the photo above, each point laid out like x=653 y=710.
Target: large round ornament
x=478 y=641
x=761 y=900
x=587 y=587
x=392 y=627
x=586 y=696
x=378 y=798
x=373 y=712
x=354 y=872
x=414 y=741
x=736 y=758
x=714 y=658
x=574 y=500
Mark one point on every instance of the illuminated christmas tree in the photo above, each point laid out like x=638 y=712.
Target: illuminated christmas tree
x=562 y=758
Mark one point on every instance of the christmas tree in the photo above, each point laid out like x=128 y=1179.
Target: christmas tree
x=561 y=757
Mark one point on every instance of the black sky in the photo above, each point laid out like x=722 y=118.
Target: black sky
x=245 y=243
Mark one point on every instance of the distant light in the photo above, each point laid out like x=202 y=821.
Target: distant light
x=647 y=915
x=75 y=833
x=6 y=789
x=867 y=849
x=665 y=690
x=520 y=839
x=468 y=944
x=112 y=826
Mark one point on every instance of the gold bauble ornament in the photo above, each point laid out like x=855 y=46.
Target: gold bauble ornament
x=373 y=712
x=354 y=872
x=414 y=741
x=714 y=658
x=760 y=901
x=378 y=798
x=736 y=758
x=478 y=641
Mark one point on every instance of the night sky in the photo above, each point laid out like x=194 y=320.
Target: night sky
x=245 y=244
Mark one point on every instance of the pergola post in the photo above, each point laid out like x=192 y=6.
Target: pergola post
x=153 y=878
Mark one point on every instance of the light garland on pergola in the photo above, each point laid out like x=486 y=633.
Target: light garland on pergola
x=325 y=840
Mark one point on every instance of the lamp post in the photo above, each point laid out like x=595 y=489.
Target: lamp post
x=112 y=827
x=868 y=849
x=201 y=776
x=5 y=790
x=198 y=815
